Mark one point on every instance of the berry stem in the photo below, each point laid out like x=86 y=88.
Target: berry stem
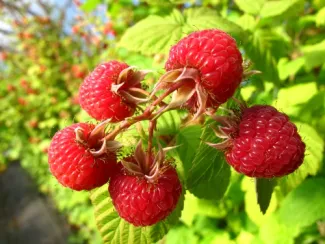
x=146 y=115
x=152 y=126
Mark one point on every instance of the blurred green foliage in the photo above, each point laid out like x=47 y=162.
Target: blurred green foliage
x=284 y=39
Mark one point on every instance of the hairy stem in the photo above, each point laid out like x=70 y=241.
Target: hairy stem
x=146 y=115
x=152 y=126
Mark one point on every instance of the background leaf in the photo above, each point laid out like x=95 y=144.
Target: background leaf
x=309 y=198
x=282 y=7
x=314 y=54
x=156 y=34
x=259 y=49
x=250 y=6
x=313 y=158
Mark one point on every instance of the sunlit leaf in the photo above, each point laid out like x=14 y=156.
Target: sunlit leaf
x=250 y=6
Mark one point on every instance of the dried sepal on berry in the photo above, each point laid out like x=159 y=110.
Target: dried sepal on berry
x=147 y=166
x=128 y=85
x=147 y=189
x=209 y=64
x=112 y=91
x=81 y=158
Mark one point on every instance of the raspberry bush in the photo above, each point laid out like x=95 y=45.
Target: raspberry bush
x=181 y=125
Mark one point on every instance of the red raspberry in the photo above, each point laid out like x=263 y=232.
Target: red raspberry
x=141 y=202
x=100 y=98
x=265 y=144
x=215 y=55
x=72 y=162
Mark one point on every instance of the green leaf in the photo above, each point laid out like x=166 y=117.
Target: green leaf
x=209 y=175
x=274 y=232
x=194 y=206
x=264 y=190
x=313 y=158
x=304 y=206
x=301 y=93
x=188 y=140
x=156 y=34
x=251 y=206
x=169 y=123
x=259 y=49
x=320 y=17
x=247 y=22
x=288 y=68
x=90 y=5
x=314 y=55
x=250 y=6
x=282 y=8
x=205 y=18
x=115 y=230
x=181 y=235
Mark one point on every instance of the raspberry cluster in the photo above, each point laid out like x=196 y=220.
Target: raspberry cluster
x=203 y=71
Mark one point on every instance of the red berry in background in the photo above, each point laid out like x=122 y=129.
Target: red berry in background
x=3 y=56
x=77 y=3
x=142 y=203
x=108 y=28
x=75 y=29
x=22 y=101
x=106 y=92
x=11 y=88
x=263 y=143
x=73 y=161
x=33 y=123
x=24 y=84
x=213 y=60
x=78 y=71
x=74 y=100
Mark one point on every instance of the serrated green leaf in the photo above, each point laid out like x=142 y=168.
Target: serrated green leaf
x=314 y=55
x=209 y=175
x=264 y=190
x=313 y=158
x=115 y=230
x=156 y=34
x=188 y=140
x=250 y=6
x=259 y=49
x=309 y=199
x=281 y=7
x=204 y=18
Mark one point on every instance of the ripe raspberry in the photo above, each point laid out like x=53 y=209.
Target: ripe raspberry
x=214 y=54
x=141 y=202
x=105 y=93
x=265 y=143
x=73 y=160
